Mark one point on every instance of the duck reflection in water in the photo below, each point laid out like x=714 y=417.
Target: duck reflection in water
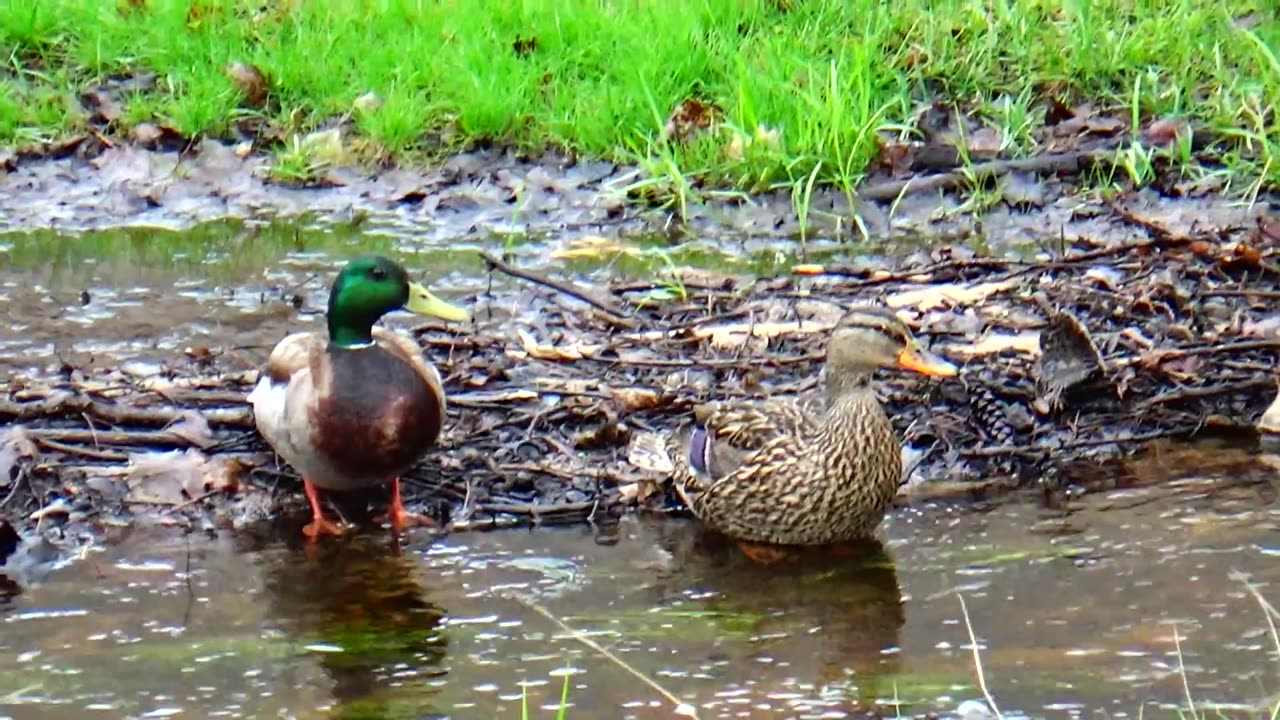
x=361 y=595
x=846 y=606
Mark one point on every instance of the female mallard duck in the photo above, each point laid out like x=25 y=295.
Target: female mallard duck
x=360 y=407
x=792 y=473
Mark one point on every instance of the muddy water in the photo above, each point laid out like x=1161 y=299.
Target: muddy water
x=1075 y=610
x=143 y=295
x=1104 y=605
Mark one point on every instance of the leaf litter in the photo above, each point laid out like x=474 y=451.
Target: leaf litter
x=1068 y=365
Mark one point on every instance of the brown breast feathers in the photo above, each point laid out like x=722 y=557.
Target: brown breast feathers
x=380 y=419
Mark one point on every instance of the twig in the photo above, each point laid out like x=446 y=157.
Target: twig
x=586 y=296
x=118 y=437
x=682 y=708
x=534 y=509
x=17 y=482
x=1036 y=449
x=56 y=446
x=193 y=501
x=1268 y=610
x=61 y=406
x=977 y=659
x=1071 y=162
x=1182 y=672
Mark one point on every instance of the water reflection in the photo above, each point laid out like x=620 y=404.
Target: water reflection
x=1073 y=608
x=362 y=608
x=848 y=602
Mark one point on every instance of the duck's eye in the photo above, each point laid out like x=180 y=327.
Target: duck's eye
x=378 y=273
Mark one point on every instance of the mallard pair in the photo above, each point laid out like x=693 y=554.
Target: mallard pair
x=797 y=472
x=359 y=407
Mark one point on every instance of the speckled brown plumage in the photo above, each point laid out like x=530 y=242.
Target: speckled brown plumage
x=805 y=472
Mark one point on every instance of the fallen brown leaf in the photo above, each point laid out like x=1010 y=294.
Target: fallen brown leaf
x=250 y=81
x=985 y=142
x=575 y=351
x=523 y=46
x=1270 y=420
x=194 y=428
x=1165 y=131
x=635 y=398
x=736 y=335
x=648 y=452
x=102 y=107
x=592 y=247
x=171 y=478
x=690 y=118
x=948 y=295
x=15 y=445
x=1026 y=342
x=367 y=102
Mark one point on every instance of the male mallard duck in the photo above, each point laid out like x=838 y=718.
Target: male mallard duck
x=783 y=472
x=360 y=407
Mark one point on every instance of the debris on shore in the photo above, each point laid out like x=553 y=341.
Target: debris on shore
x=1071 y=360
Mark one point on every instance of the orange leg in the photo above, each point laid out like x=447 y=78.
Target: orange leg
x=761 y=553
x=397 y=515
x=319 y=525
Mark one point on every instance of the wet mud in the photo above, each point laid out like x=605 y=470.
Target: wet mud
x=1069 y=364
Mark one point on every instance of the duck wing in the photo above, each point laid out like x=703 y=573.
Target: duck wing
x=725 y=436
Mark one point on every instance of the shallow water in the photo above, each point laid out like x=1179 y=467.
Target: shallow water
x=142 y=295
x=1075 y=609
x=1102 y=605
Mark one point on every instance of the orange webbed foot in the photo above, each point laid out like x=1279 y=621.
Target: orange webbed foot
x=398 y=516
x=319 y=525
x=763 y=554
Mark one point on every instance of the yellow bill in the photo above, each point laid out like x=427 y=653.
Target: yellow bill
x=423 y=302
x=925 y=363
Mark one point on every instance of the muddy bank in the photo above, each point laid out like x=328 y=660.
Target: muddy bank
x=1028 y=206
x=1068 y=364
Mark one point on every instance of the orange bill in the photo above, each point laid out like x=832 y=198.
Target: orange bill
x=925 y=362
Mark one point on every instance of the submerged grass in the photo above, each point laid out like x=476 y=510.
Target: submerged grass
x=601 y=78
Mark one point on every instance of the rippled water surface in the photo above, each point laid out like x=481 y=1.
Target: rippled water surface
x=1075 y=609
x=1117 y=604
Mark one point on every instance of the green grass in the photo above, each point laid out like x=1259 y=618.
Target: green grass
x=601 y=78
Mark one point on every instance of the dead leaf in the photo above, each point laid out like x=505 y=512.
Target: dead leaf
x=1267 y=327
x=1270 y=420
x=986 y=142
x=102 y=107
x=736 y=335
x=15 y=445
x=689 y=119
x=648 y=452
x=171 y=478
x=194 y=428
x=895 y=157
x=367 y=102
x=523 y=46
x=635 y=398
x=324 y=146
x=150 y=135
x=740 y=144
x=1026 y=342
x=948 y=295
x=592 y=247
x=250 y=81
x=1068 y=356
x=575 y=351
x=1166 y=131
